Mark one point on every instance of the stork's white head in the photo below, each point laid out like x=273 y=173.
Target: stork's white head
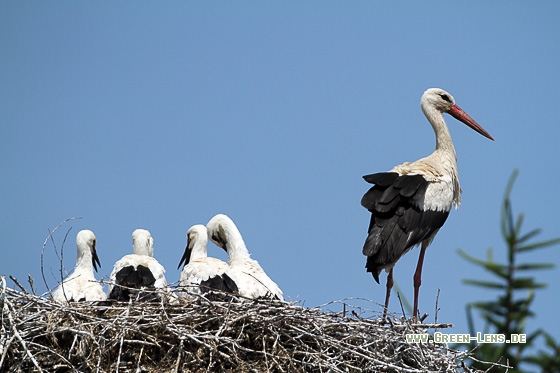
x=437 y=98
x=217 y=227
x=197 y=240
x=197 y=234
x=442 y=101
x=223 y=232
x=85 y=243
x=142 y=242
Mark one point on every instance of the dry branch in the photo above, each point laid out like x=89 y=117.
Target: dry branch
x=200 y=335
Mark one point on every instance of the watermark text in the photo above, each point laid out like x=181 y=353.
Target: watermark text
x=465 y=338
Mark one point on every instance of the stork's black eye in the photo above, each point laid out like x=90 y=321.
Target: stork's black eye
x=445 y=97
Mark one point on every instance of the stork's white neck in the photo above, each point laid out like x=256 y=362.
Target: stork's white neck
x=235 y=245
x=444 y=154
x=84 y=260
x=199 y=248
x=444 y=143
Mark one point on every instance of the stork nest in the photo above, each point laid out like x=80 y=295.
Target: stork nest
x=202 y=335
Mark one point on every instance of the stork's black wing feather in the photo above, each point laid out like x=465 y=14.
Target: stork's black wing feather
x=397 y=222
x=223 y=284
x=382 y=178
x=131 y=281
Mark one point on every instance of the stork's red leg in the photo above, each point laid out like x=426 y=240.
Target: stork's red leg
x=418 y=279
x=388 y=293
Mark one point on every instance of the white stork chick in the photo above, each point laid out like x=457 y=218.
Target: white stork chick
x=200 y=272
x=410 y=203
x=81 y=284
x=250 y=279
x=138 y=271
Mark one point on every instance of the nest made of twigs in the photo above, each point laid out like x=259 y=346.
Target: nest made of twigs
x=202 y=335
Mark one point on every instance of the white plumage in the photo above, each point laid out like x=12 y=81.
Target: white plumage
x=81 y=284
x=250 y=278
x=137 y=271
x=198 y=267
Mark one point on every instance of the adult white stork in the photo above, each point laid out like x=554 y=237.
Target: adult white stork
x=410 y=203
x=136 y=272
x=202 y=273
x=81 y=284
x=250 y=279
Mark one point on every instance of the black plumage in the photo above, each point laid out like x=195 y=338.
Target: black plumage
x=131 y=281
x=398 y=223
x=218 y=287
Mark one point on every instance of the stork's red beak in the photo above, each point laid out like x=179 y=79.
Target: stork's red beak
x=458 y=113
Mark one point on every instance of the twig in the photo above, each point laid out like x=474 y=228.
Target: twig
x=18 y=284
x=61 y=258
x=31 y=282
x=49 y=237
x=7 y=310
x=437 y=307
x=122 y=337
x=400 y=302
x=179 y=357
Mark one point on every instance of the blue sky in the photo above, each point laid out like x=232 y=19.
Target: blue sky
x=136 y=115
